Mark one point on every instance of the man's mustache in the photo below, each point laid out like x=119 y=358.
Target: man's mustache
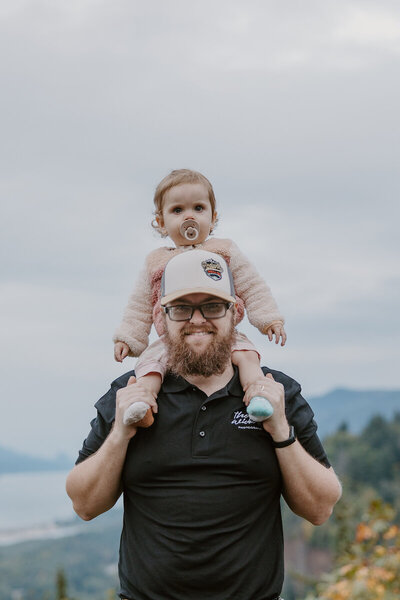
x=198 y=329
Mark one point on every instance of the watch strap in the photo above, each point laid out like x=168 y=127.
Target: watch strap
x=290 y=440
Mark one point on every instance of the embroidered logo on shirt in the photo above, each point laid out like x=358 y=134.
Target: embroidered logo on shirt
x=212 y=268
x=242 y=421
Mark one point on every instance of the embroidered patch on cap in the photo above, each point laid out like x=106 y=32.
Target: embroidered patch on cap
x=212 y=268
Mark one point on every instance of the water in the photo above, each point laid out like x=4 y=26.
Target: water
x=33 y=499
x=35 y=506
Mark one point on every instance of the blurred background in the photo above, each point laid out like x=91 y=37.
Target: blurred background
x=290 y=110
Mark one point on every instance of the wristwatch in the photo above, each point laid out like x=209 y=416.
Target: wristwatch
x=291 y=439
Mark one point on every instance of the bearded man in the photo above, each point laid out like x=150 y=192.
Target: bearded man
x=202 y=485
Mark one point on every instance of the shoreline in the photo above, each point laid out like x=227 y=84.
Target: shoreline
x=35 y=507
x=49 y=531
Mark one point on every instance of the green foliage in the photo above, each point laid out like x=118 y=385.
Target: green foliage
x=368 y=465
x=370 y=568
x=61 y=585
x=370 y=457
x=369 y=461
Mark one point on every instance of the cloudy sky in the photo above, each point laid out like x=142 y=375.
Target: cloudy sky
x=289 y=108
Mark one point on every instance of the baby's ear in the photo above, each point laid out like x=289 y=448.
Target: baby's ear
x=159 y=220
x=214 y=221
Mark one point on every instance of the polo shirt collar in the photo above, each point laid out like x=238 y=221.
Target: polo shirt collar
x=175 y=383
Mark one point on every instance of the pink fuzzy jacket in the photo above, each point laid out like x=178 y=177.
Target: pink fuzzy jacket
x=143 y=309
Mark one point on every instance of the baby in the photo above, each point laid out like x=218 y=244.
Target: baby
x=185 y=210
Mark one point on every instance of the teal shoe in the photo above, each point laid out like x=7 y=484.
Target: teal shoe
x=259 y=409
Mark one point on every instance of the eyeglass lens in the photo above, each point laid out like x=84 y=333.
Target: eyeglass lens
x=184 y=312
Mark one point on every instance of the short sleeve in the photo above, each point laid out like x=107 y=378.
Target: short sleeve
x=101 y=425
x=300 y=415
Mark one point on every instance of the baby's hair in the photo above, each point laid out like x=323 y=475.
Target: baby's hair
x=177 y=177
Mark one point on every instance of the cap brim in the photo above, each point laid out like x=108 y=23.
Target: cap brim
x=199 y=290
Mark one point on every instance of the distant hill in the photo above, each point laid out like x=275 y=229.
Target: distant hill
x=89 y=560
x=353 y=407
x=15 y=462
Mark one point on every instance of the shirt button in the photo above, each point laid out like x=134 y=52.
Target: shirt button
x=204 y=408
x=202 y=433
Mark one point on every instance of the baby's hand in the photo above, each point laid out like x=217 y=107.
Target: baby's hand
x=121 y=351
x=278 y=330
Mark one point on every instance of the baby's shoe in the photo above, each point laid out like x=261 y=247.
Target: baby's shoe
x=138 y=414
x=259 y=409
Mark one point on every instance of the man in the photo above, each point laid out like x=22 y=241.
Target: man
x=202 y=485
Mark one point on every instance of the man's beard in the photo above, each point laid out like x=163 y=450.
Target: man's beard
x=184 y=361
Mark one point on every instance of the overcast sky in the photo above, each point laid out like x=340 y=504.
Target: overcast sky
x=289 y=108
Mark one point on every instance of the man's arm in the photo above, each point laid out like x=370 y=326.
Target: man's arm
x=94 y=485
x=310 y=489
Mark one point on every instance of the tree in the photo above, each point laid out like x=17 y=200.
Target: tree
x=370 y=568
x=61 y=585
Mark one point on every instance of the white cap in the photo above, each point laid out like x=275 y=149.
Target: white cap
x=197 y=272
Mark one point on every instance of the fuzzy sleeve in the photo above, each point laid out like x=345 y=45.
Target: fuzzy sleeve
x=137 y=319
x=261 y=307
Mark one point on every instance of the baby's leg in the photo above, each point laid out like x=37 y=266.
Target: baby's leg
x=152 y=381
x=247 y=359
x=150 y=370
x=248 y=363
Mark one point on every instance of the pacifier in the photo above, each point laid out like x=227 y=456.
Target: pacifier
x=190 y=230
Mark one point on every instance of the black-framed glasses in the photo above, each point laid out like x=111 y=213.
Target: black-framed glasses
x=209 y=310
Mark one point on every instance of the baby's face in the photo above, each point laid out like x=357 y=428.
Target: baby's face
x=182 y=202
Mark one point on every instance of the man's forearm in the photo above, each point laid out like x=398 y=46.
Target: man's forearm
x=94 y=485
x=309 y=488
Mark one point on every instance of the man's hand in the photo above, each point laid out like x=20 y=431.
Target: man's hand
x=121 y=351
x=278 y=331
x=277 y=425
x=133 y=392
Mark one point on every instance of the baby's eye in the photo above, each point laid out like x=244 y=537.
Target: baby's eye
x=199 y=208
x=177 y=210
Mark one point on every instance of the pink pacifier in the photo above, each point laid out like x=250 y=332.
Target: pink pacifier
x=190 y=230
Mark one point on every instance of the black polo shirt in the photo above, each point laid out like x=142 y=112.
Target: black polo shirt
x=202 y=491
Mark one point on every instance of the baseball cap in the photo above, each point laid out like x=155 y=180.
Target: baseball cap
x=197 y=271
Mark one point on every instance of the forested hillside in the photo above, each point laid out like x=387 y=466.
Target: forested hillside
x=368 y=465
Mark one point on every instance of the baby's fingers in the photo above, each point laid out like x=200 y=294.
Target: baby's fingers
x=151 y=402
x=247 y=397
